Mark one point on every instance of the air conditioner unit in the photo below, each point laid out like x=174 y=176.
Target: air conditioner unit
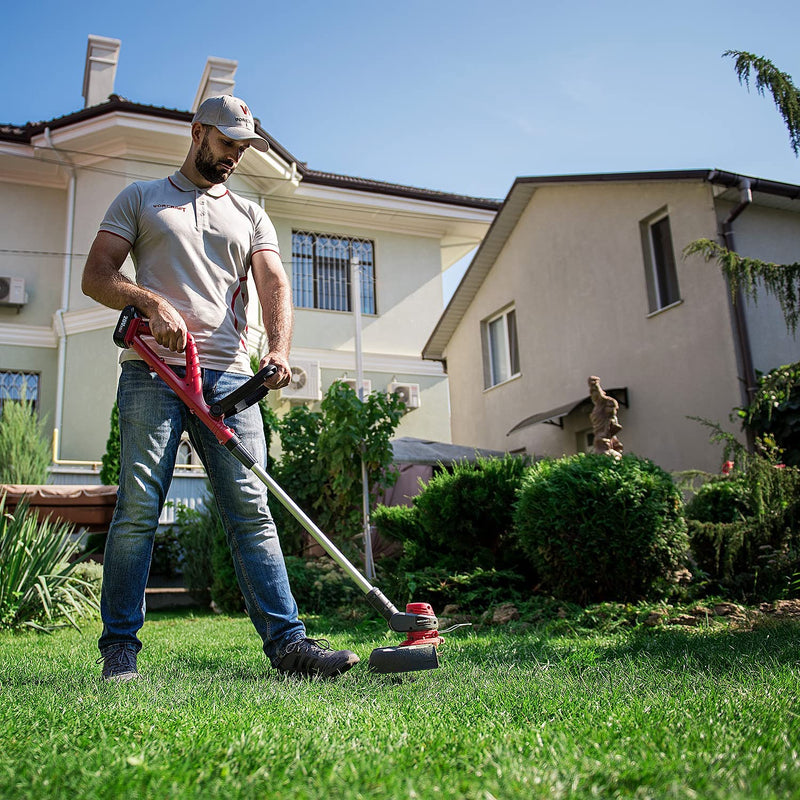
x=407 y=392
x=366 y=384
x=305 y=383
x=12 y=292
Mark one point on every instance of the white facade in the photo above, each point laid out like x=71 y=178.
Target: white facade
x=570 y=255
x=57 y=180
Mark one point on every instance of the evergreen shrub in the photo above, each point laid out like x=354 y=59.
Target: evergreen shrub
x=462 y=520
x=24 y=449
x=720 y=500
x=599 y=528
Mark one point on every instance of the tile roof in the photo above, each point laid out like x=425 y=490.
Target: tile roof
x=23 y=134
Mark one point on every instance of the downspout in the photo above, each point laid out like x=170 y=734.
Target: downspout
x=58 y=317
x=741 y=334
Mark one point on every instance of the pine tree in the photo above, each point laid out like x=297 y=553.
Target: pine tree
x=749 y=274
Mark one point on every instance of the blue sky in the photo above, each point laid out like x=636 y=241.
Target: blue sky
x=453 y=95
x=456 y=95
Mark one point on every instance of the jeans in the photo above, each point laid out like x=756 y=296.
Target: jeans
x=152 y=419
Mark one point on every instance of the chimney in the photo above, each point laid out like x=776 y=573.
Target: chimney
x=218 y=78
x=102 y=55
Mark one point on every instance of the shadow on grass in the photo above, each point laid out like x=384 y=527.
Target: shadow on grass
x=716 y=651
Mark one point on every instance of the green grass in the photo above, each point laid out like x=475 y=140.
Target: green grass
x=642 y=714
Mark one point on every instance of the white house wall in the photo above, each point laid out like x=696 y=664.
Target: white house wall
x=34 y=215
x=768 y=234
x=573 y=268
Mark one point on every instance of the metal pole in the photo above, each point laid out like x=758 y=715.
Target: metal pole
x=355 y=289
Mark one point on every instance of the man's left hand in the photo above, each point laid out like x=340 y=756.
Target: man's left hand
x=283 y=374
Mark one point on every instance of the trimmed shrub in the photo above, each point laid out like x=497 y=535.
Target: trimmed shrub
x=719 y=500
x=599 y=528
x=468 y=513
x=109 y=471
x=462 y=521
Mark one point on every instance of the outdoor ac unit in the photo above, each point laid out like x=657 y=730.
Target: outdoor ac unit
x=305 y=383
x=366 y=384
x=12 y=292
x=408 y=393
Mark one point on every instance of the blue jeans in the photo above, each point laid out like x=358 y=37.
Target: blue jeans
x=151 y=420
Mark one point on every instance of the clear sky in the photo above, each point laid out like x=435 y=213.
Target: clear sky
x=457 y=95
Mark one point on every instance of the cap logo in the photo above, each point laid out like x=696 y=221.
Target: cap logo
x=246 y=110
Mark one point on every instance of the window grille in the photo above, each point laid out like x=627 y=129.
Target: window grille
x=19 y=386
x=321 y=271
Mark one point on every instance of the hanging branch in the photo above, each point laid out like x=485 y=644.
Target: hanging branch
x=751 y=275
x=783 y=91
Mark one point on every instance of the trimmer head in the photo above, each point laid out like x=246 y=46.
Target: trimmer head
x=413 y=658
x=418 y=651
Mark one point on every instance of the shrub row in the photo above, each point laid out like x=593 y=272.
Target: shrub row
x=583 y=529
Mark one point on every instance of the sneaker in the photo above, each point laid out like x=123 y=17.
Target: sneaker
x=315 y=658
x=119 y=664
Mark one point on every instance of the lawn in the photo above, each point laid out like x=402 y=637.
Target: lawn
x=643 y=713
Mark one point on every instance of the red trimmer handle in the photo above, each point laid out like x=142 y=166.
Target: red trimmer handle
x=128 y=334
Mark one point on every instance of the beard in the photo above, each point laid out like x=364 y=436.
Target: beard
x=209 y=166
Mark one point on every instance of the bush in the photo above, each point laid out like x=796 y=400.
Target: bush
x=598 y=528
x=719 y=500
x=473 y=591
x=468 y=513
x=109 y=470
x=39 y=588
x=320 y=586
x=775 y=410
x=24 y=449
x=195 y=530
x=753 y=551
x=461 y=521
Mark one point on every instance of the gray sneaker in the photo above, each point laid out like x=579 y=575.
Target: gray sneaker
x=119 y=663
x=315 y=658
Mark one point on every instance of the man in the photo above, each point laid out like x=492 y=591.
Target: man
x=193 y=243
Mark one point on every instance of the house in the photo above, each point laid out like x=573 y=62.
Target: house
x=59 y=176
x=583 y=275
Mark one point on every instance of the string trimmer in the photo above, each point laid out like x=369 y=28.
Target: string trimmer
x=418 y=651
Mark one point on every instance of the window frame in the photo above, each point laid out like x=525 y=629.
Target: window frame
x=509 y=349
x=335 y=294
x=25 y=375
x=661 y=269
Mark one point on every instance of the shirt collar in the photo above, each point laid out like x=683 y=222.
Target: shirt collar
x=181 y=182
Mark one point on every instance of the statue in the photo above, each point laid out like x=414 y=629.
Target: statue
x=604 y=420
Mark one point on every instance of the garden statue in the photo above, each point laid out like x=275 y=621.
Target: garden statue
x=604 y=420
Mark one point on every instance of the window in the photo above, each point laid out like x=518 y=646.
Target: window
x=19 y=386
x=662 y=277
x=321 y=271
x=500 y=348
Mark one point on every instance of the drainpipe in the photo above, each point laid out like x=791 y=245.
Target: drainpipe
x=58 y=317
x=741 y=334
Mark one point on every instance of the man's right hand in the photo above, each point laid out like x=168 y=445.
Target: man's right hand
x=168 y=327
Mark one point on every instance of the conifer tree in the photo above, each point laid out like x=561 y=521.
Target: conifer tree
x=750 y=274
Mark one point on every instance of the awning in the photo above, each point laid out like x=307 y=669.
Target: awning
x=555 y=416
x=408 y=450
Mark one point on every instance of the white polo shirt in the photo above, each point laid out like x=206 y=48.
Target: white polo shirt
x=193 y=247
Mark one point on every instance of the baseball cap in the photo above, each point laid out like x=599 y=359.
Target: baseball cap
x=231 y=117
